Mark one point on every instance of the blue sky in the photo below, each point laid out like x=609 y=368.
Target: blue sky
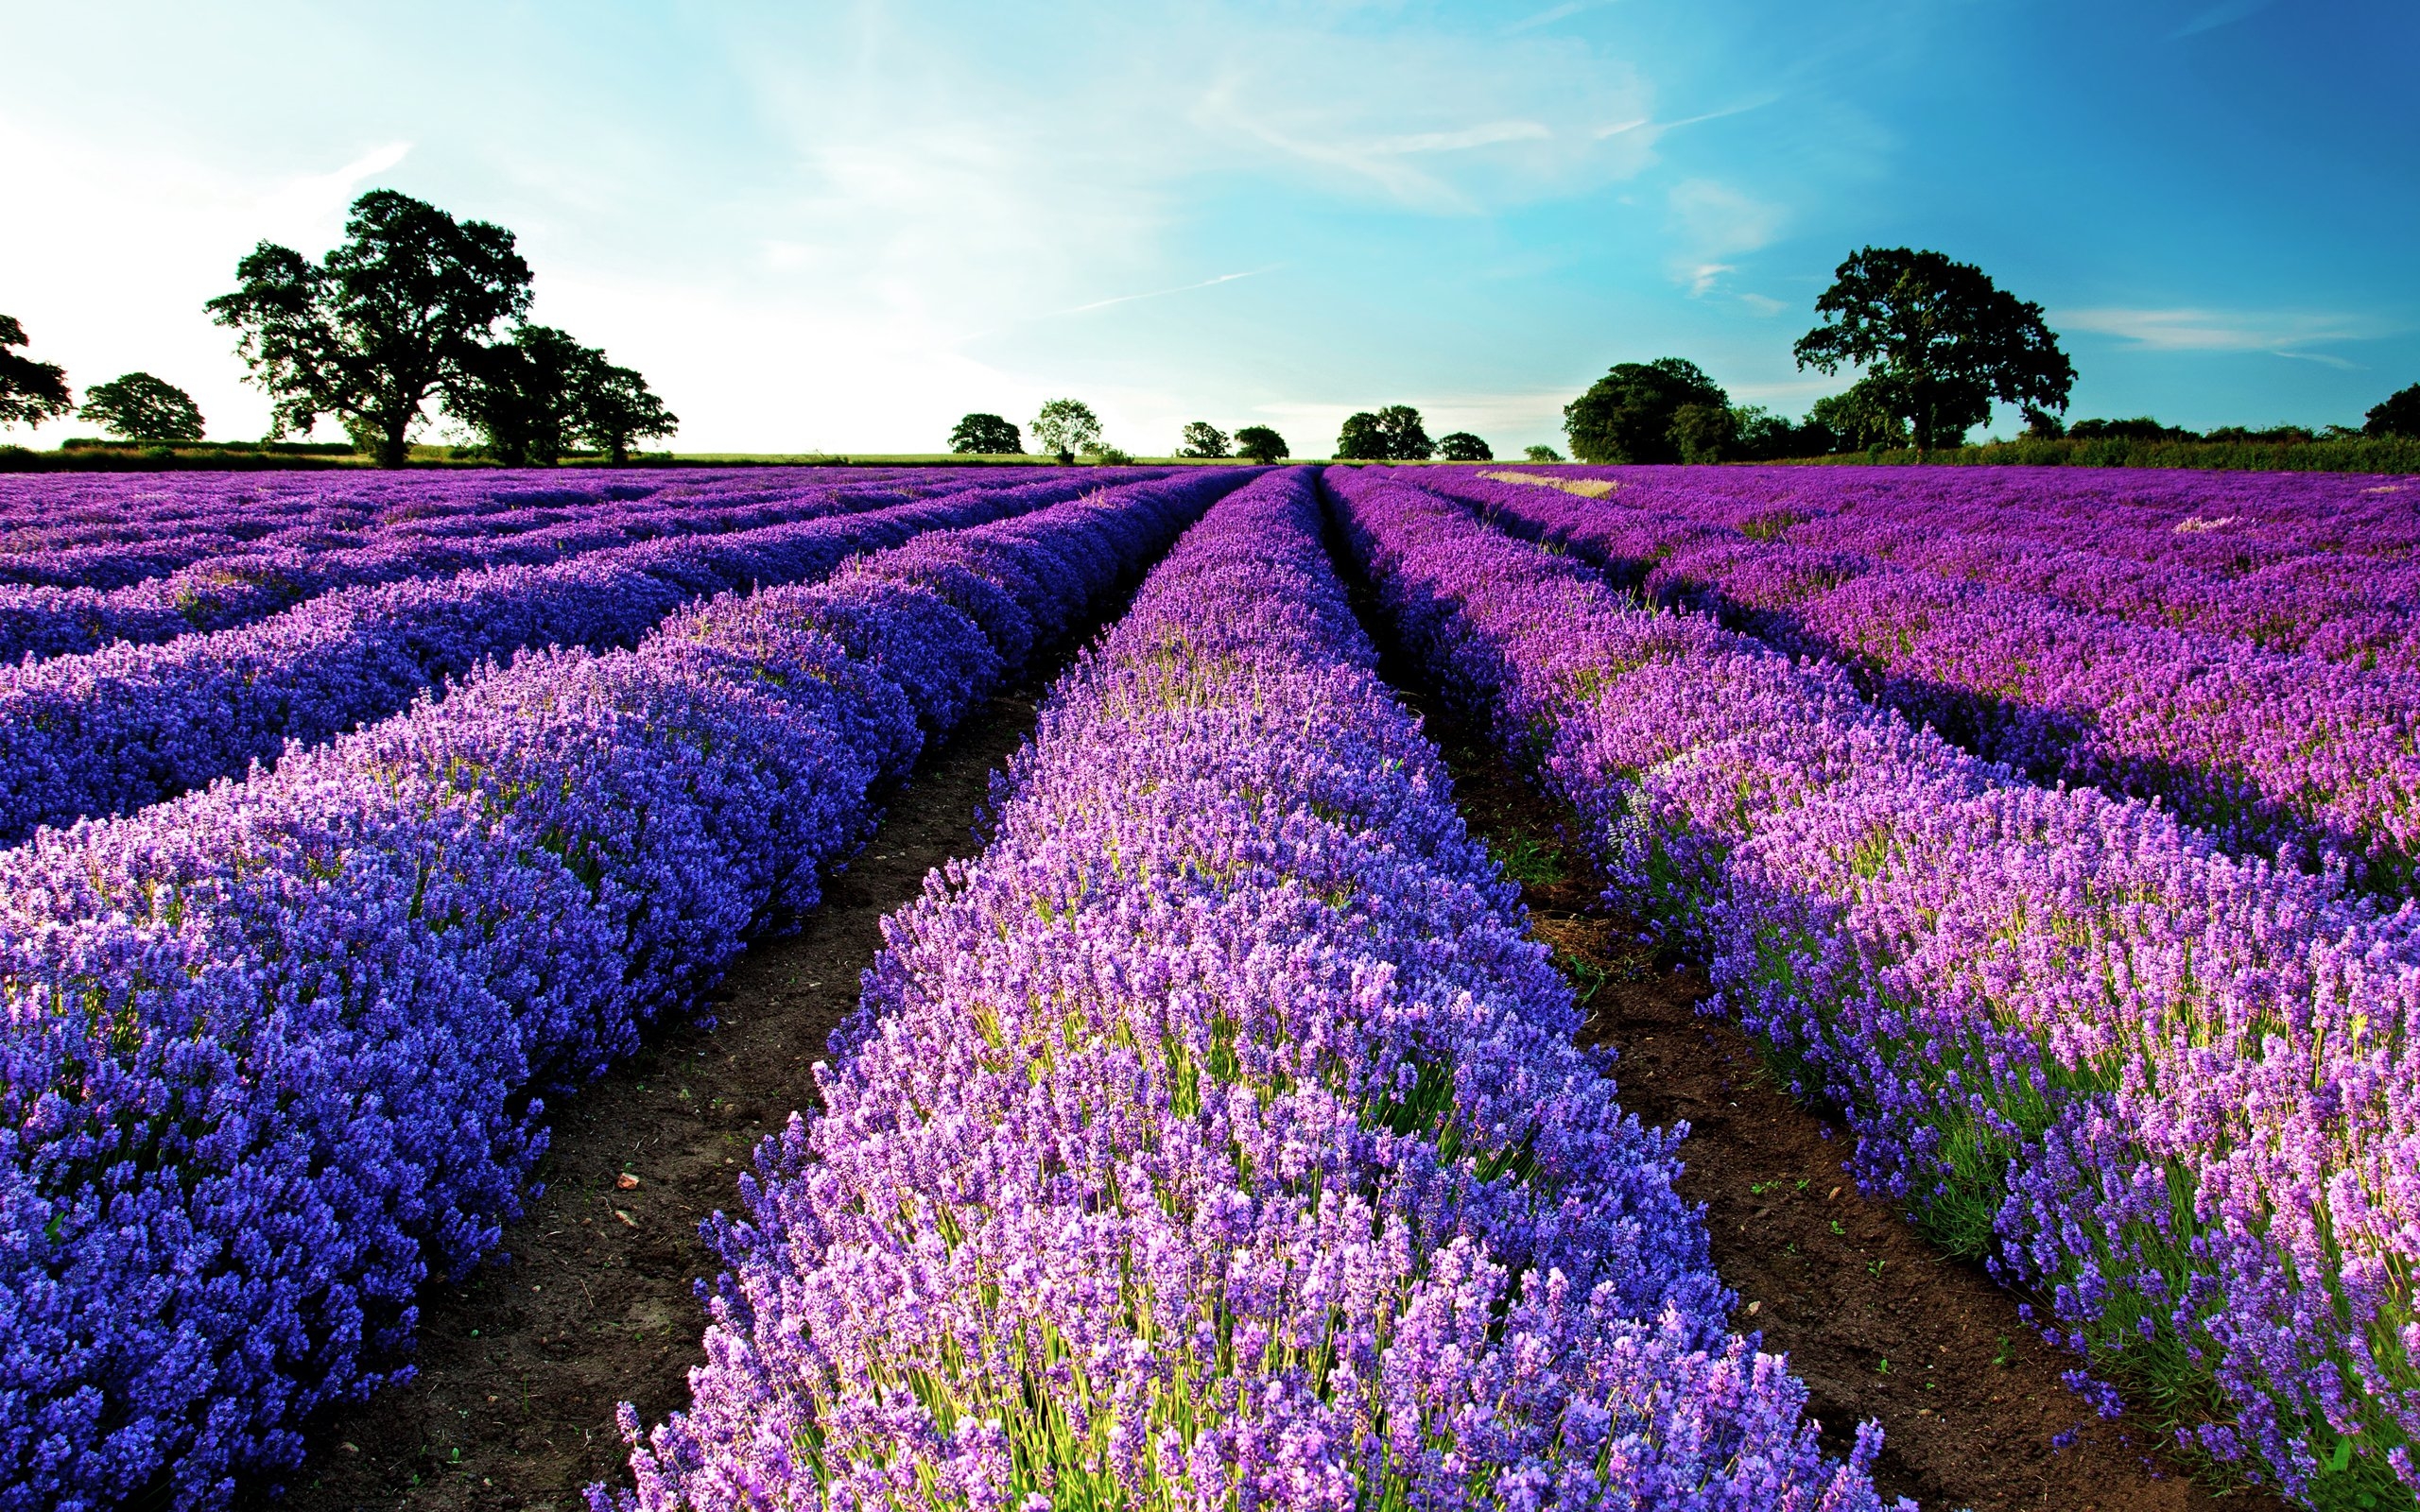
x=841 y=226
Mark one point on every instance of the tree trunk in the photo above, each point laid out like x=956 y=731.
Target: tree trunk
x=392 y=449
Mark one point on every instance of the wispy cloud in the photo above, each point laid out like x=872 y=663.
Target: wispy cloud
x=1545 y=18
x=2206 y=330
x=1156 y=293
x=1715 y=222
x=1656 y=129
x=1463 y=140
x=2226 y=13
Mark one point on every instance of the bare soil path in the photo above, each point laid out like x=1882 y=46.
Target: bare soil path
x=1878 y=1322
x=594 y=1302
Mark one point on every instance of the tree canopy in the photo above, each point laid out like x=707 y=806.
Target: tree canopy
x=1628 y=415
x=542 y=394
x=1862 y=419
x=1261 y=444
x=30 y=391
x=982 y=434
x=2399 y=413
x=1067 y=426
x=142 y=409
x=1201 y=438
x=1394 y=434
x=618 y=409
x=1542 y=454
x=1939 y=340
x=1461 y=446
x=401 y=310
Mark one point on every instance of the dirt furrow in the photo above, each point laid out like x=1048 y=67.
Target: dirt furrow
x=1878 y=1322
x=593 y=1302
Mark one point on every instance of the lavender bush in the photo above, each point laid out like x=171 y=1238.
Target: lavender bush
x=1217 y=1140
x=221 y=592
x=2295 y=562
x=2275 y=754
x=131 y=725
x=2168 y=1091
x=275 y=1050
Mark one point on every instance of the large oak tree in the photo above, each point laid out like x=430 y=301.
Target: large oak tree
x=1938 y=341
x=400 y=313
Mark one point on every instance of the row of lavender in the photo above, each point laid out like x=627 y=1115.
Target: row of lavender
x=131 y=725
x=150 y=536
x=274 y=1051
x=2274 y=754
x=104 y=530
x=2286 y=561
x=2227 y=523
x=2169 y=1091
x=221 y=592
x=1216 y=1139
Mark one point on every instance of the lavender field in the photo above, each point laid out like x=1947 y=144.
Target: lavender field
x=1218 y=1128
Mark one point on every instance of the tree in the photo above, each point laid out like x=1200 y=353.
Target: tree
x=1261 y=444
x=1705 y=433
x=616 y=408
x=1627 y=415
x=30 y=391
x=2399 y=413
x=1944 y=339
x=2140 y=428
x=142 y=409
x=1067 y=426
x=396 y=314
x=1461 y=446
x=1201 y=438
x=523 y=394
x=1864 y=418
x=541 y=394
x=986 y=435
x=1542 y=454
x=1394 y=434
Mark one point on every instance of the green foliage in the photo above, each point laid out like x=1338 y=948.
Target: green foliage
x=398 y=313
x=1201 y=438
x=1461 y=446
x=1943 y=340
x=1705 y=433
x=1864 y=417
x=1101 y=453
x=986 y=435
x=618 y=409
x=1394 y=434
x=1542 y=454
x=1261 y=444
x=2142 y=428
x=1065 y=427
x=2399 y=413
x=30 y=391
x=141 y=408
x=541 y=395
x=1628 y=415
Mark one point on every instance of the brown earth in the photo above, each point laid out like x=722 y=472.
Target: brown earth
x=593 y=1302
x=1878 y=1322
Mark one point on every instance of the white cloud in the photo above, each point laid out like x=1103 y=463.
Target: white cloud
x=2206 y=329
x=1713 y=222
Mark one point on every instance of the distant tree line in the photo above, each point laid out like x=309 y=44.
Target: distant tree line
x=405 y=312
